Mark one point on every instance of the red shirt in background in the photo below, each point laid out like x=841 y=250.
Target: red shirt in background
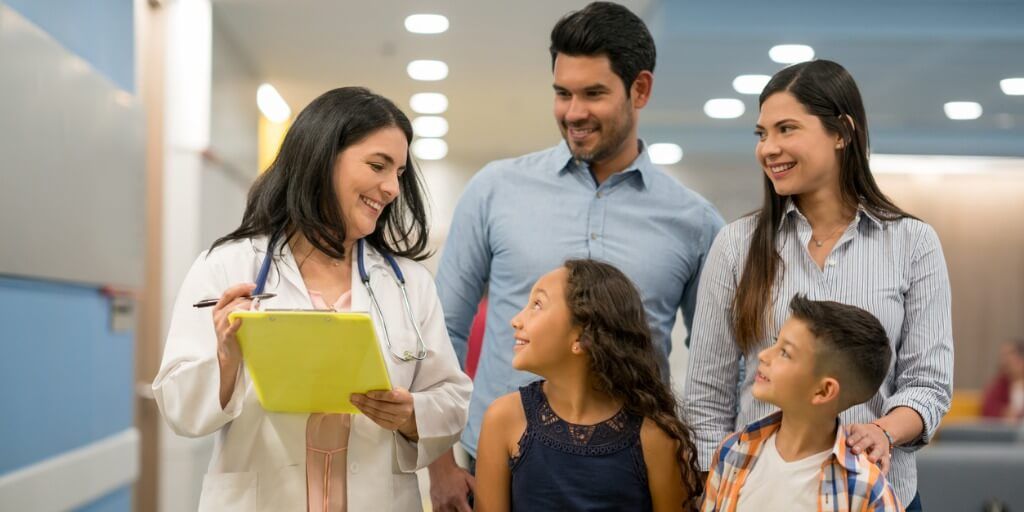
x=476 y=338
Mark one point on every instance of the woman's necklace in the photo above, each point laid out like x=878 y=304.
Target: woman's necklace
x=336 y=263
x=821 y=242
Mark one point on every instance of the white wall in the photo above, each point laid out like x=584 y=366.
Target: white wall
x=233 y=138
x=210 y=160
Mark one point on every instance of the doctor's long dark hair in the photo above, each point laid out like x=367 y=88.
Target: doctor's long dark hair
x=296 y=194
x=828 y=92
x=607 y=308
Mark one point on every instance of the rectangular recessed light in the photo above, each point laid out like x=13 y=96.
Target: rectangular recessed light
x=429 y=149
x=962 y=110
x=1012 y=86
x=791 y=53
x=724 y=108
x=750 y=84
x=665 y=153
x=428 y=103
x=427 y=70
x=426 y=24
x=430 y=126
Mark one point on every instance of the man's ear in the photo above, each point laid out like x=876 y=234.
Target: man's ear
x=826 y=391
x=640 y=91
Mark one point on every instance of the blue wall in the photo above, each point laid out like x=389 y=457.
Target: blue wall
x=100 y=31
x=67 y=380
x=64 y=371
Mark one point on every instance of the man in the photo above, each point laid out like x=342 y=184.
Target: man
x=595 y=195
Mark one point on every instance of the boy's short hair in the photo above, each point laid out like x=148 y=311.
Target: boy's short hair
x=851 y=346
x=608 y=29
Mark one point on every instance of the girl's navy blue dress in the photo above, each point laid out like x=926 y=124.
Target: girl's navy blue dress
x=567 y=467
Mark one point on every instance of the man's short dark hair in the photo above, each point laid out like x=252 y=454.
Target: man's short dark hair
x=852 y=346
x=608 y=29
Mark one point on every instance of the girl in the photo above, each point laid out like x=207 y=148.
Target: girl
x=342 y=178
x=827 y=231
x=600 y=432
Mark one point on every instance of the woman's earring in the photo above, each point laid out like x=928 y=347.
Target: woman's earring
x=576 y=348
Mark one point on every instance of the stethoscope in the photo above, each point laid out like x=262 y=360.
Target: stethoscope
x=397 y=277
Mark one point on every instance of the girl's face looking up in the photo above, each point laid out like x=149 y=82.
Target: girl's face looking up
x=544 y=333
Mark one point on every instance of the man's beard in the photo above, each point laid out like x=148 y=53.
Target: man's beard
x=610 y=141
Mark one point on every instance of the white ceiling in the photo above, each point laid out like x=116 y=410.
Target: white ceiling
x=909 y=57
x=499 y=82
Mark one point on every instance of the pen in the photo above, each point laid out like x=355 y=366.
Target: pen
x=205 y=303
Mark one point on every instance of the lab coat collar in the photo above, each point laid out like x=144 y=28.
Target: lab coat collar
x=285 y=267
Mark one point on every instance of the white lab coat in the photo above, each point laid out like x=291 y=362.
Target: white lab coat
x=259 y=459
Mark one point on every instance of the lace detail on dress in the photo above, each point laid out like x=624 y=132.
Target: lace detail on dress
x=609 y=436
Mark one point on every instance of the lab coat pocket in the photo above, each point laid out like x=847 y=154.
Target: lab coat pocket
x=287 y=490
x=228 y=491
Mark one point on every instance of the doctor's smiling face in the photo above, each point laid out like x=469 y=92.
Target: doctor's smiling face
x=366 y=179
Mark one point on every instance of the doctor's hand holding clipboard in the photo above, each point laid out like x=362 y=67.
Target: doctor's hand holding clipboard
x=337 y=223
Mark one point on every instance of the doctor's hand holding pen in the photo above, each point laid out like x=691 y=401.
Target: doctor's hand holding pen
x=229 y=353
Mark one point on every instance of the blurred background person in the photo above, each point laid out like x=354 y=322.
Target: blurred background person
x=1004 y=395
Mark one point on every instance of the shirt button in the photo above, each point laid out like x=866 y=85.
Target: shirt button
x=354 y=467
x=593 y=236
x=600 y=195
x=831 y=263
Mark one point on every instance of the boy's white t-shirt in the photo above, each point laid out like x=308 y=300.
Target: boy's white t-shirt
x=774 y=484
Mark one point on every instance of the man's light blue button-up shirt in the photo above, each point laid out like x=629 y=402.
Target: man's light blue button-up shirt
x=522 y=218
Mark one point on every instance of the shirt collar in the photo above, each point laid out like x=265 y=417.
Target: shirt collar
x=842 y=453
x=765 y=427
x=762 y=428
x=641 y=165
x=862 y=215
x=372 y=256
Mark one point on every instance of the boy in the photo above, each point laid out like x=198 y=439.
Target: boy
x=828 y=357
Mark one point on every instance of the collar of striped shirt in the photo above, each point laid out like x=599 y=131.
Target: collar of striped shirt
x=862 y=213
x=848 y=482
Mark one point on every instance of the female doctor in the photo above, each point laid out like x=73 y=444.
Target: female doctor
x=336 y=222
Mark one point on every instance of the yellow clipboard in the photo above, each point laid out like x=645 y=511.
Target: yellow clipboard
x=311 y=361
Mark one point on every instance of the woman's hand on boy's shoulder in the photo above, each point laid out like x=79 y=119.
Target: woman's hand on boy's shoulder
x=869 y=439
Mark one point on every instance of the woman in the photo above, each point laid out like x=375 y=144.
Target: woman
x=827 y=231
x=1004 y=395
x=341 y=181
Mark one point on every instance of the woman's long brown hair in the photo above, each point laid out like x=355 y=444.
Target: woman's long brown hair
x=827 y=91
x=614 y=331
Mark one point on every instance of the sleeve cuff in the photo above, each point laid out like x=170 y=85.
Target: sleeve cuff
x=707 y=444
x=434 y=437
x=234 y=405
x=929 y=417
